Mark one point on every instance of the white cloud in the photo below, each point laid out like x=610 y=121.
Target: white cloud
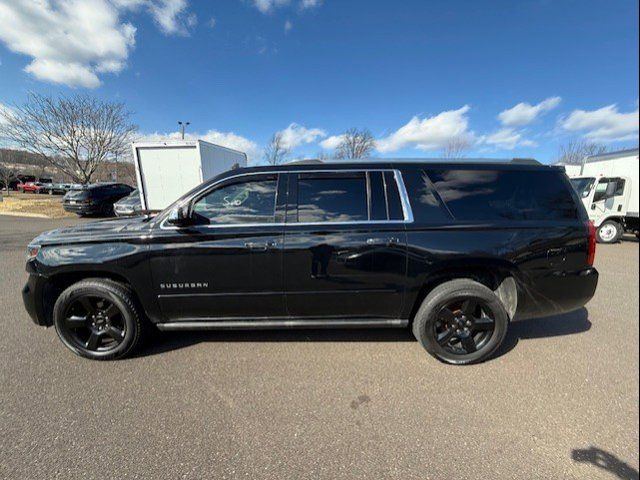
x=71 y=42
x=508 y=139
x=308 y=4
x=212 y=22
x=288 y=26
x=295 y=135
x=431 y=133
x=333 y=142
x=224 y=139
x=267 y=6
x=525 y=113
x=606 y=124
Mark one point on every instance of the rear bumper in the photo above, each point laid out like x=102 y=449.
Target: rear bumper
x=556 y=293
x=81 y=209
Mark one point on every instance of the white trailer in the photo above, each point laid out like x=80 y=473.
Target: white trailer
x=167 y=170
x=608 y=186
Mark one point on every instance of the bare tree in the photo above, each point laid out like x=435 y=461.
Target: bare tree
x=275 y=152
x=7 y=173
x=456 y=147
x=575 y=151
x=355 y=144
x=74 y=134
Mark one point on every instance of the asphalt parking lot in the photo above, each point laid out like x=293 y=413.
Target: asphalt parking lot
x=559 y=401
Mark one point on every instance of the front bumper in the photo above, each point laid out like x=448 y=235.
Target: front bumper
x=33 y=295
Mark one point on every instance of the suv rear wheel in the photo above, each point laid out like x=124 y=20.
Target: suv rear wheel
x=98 y=319
x=461 y=322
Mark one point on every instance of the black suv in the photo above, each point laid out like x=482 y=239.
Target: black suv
x=95 y=199
x=455 y=251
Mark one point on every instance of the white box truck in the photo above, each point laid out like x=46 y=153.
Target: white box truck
x=167 y=170
x=608 y=186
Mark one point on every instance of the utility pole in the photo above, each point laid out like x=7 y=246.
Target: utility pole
x=183 y=125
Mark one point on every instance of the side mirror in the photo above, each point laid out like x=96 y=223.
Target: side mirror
x=611 y=189
x=179 y=217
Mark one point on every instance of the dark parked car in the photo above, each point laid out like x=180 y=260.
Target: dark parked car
x=454 y=251
x=129 y=205
x=96 y=199
x=56 y=188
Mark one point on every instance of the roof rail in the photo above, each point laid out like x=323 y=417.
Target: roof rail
x=307 y=161
x=525 y=161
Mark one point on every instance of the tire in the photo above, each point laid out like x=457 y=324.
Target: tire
x=486 y=332
x=609 y=232
x=78 y=326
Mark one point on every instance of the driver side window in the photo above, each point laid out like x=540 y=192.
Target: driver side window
x=242 y=202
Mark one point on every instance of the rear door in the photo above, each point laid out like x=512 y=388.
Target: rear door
x=345 y=245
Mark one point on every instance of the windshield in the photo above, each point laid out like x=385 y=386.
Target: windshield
x=583 y=186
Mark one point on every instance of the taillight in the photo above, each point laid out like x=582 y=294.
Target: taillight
x=591 y=249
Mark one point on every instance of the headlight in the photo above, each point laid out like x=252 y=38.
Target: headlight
x=32 y=251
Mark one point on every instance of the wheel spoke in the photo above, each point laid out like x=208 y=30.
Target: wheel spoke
x=93 y=341
x=111 y=311
x=75 y=321
x=469 y=344
x=446 y=316
x=115 y=333
x=87 y=305
x=483 y=324
x=469 y=306
x=444 y=337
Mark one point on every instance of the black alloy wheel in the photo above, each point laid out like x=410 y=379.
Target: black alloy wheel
x=99 y=318
x=464 y=326
x=94 y=323
x=461 y=322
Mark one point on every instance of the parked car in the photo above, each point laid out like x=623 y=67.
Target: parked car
x=95 y=199
x=130 y=205
x=31 y=187
x=56 y=188
x=454 y=251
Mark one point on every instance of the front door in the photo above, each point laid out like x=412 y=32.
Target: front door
x=604 y=206
x=344 y=257
x=227 y=265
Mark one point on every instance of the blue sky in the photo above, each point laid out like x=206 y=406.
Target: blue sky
x=511 y=78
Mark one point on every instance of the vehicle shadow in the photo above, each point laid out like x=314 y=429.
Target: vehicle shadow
x=567 y=324
x=558 y=325
x=606 y=461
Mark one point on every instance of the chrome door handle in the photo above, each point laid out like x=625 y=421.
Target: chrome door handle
x=260 y=245
x=382 y=241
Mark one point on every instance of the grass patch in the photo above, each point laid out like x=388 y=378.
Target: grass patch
x=31 y=203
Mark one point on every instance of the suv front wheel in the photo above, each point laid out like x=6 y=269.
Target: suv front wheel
x=98 y=319
x=461 y=322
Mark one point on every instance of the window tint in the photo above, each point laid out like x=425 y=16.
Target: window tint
x=378 y=202
x=251 y=201
x=488 y=195
x=424 y=201
x=394 y=204
x=332 y=197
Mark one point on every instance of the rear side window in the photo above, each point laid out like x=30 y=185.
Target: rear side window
x=491 y=195
x=332 y=197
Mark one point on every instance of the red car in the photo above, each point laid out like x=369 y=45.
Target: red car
x=33 y=187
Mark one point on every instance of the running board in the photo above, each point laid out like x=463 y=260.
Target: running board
x=275 y=324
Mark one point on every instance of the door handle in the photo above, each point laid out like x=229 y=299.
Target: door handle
x=383 y=241
x=260 y=245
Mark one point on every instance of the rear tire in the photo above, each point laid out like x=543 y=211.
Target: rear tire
x=99 y=319
x=461 y=322
x=609 y=232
